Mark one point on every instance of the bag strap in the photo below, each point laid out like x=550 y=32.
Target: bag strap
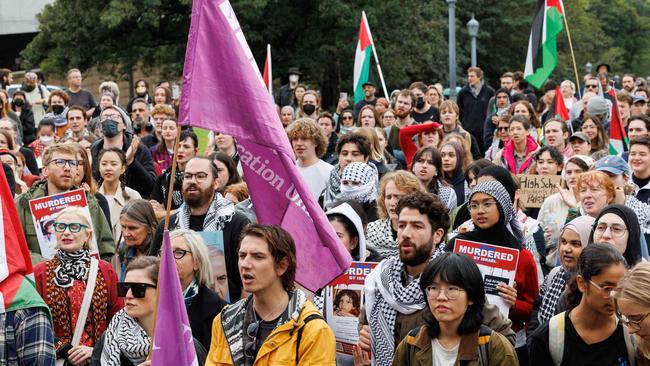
x=307 y=320
x=556 y=337
x=85 y=305
x=410 y=349
x=484 y=335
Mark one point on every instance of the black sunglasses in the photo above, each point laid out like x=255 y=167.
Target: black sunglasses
x=251 y=332
x=138 y=289
x=591 y=86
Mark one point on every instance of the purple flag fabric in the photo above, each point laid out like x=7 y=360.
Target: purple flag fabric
x=173 y=343
x=223 y=90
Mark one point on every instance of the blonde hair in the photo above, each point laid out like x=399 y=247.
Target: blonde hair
x=83 y=217
x=404 y=181
x=199 y=250
x=371 y=135
x=635 y=286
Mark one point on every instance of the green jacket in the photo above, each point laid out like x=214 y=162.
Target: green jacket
x=101 y=230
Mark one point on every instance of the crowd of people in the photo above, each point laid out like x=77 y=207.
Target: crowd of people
x=401 y=179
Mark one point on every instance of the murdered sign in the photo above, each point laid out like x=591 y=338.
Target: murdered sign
x=535 y=188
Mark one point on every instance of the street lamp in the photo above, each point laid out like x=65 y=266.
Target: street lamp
x=472 y=28
x=452 y=49
x=588 y=67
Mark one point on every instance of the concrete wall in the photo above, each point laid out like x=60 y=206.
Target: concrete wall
x=19 y=16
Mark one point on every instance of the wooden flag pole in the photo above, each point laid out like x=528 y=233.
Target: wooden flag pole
x=374 y=52
x=170 y=192
x=573 y=56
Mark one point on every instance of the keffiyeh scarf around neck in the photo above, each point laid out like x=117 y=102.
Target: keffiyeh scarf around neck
x=333 y=186
x=219 y=214
x=124 y=336
x=385 y=297
x=362 y=173
x=72 y=266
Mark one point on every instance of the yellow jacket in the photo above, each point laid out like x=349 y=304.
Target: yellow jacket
x=317 y=343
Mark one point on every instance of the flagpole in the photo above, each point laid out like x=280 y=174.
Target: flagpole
x=573 y=56
x=374 y=52
x=268 y=53
x=170 y=191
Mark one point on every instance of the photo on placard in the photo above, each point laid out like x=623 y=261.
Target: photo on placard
x=216 y=254
x=347 y=302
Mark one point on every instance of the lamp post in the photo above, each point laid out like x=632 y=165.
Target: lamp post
x=472 y=28
x=588 y=67
x=452 y=49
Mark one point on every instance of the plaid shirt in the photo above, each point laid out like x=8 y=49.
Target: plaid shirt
x=26 y=338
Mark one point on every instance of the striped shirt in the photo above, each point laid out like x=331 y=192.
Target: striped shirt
x=26 y=338
x=164 y=159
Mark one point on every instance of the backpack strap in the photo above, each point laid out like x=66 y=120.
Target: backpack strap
x=410 y=349
x=556 y=337
x=307 y=320
x=484 y=335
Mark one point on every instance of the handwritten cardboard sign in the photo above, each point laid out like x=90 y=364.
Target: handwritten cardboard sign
x=535 y=188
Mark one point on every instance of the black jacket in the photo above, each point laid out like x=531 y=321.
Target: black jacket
x=28 y=125
x=205 y=306
x=473 y=110
x=140 y=175
x=231 y=232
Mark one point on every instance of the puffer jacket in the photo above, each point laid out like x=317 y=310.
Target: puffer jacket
x=101 y=229
x=317 y=343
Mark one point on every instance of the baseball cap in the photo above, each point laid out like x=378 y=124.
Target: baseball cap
x=579 y=135
x=368 y=83
x=613 y=164
x=639 y=99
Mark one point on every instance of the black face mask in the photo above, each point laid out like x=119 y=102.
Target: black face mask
x=109 y=128
x=28 y=88
x=57 y=109
x=19 y=102
x=419 y=103
x=309 y=109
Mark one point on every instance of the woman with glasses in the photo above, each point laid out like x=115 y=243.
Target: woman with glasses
x=589 y=332
x=453 y=333
x=618 y=226
x=62 y=282
x=388 y=118
x=127 y=340
x=632 y=302
x=495 y=222
x=195 y=273
x=501 y=137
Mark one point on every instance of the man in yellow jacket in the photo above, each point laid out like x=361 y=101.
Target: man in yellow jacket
x=276 y=324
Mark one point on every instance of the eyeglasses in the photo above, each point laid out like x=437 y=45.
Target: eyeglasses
x=62 y=162
x=592 y=86
x=180 y=253
x=635 y=324
x=502 y=129
x=482 y=206
x=74 y=227
x=605 y=290
x=115 y=117
x=138 y=289
x=199 y=176
x=616 y=230
x=451 y=292
x=251 y=332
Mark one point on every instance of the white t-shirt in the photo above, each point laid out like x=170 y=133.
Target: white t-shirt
x=442 y=356
x=316 y=176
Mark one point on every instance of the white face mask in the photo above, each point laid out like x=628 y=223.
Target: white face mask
x=46 y=139
x=293 y=78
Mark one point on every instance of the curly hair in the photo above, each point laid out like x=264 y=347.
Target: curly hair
x=307 y=128
x=430 y=205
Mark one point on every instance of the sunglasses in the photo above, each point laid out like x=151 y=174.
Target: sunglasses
x=138 y=289
x=591 y=86
x=346 y=117
x=502 y=129
x=251 y=332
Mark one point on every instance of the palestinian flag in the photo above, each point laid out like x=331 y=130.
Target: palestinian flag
x=268 y=76
x=618 y=142
x=542 y=44
x=17 y=289
x=362 y=58
x=560 y=111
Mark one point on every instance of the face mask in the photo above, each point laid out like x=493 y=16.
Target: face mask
x=19 y=102
x=141 y=90
x=28 y=88
x=57 y=109
x=109 y=128
x=309 y=109
x=419 y=103
x=46 y=139
x=293 y=78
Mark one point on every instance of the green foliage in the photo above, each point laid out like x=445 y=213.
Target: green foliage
x=320 y=36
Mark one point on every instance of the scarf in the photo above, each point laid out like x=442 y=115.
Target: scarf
x=632 y=252
x=177 y=197
x=362 y=173
x=380 y=237
x=476 y=90
x=124 y=336
x=333 y=186
x=385 y=297
x=219 y=214
x=72 y=266
x=190 y=293
x=551 y=291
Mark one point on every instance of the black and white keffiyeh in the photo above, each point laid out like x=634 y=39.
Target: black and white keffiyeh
x=72 y=266
x=379 y=236
x=500 y=194
x=362 y=173
x=333 y=187
x=124 y=336
x=219 y=214
x=385 y=297
x=550 y=292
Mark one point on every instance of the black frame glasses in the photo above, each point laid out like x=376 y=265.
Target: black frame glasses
x=73 y=227
x=138 y=289
x=252 y=331
x=62 y=162
x=180 y=253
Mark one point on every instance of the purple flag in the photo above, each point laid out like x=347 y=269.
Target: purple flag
x=173 y=343
x=223 y=90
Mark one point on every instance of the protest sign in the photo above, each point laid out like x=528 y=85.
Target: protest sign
x=535 y=188
x=343 y=299
x=497 y=265
x=214 y=241
x=44 y=211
